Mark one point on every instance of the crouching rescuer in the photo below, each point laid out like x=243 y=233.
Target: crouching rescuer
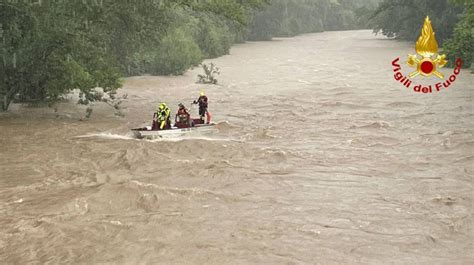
x=182 y=118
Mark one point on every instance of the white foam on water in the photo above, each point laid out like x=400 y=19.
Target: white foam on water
x=304 y=82
x=107 y=136
x=112 y=136
x=188 y=138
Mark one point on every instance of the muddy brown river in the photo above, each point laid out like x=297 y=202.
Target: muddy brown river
x=321 y=158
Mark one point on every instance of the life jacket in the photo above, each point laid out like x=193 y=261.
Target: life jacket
x=202 y=100
x=183 y=115
x=164 y=114
x=163 y=121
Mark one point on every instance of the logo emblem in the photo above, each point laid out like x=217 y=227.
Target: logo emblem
x=427 y=60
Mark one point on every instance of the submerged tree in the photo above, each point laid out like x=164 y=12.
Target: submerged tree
x=209 y=76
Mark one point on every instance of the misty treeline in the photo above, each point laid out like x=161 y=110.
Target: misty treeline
x=284 y=18
x=51 y=47
x=452 y=20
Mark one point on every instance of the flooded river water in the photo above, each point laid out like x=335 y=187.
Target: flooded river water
x=321 y=158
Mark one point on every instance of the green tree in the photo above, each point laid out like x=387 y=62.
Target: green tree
x=47 y=53
x=403 y=19
x=461 y=45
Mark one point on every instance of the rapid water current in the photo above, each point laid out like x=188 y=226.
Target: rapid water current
x=321 y=158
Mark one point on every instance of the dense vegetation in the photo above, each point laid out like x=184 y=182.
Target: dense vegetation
x=453 y=22
x=461 y=44
x=50 y=48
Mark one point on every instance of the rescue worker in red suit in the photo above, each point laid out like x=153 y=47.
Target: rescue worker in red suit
x=182 y=118
x=202 y=102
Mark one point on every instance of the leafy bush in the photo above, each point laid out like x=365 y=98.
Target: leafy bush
x=214 y=37
x=176 y=53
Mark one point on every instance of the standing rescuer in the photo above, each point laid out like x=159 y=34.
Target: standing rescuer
x=162 y=117
x=202 y=101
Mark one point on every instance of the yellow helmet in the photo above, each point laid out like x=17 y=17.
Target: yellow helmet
x=162 y=105
x=202 y=93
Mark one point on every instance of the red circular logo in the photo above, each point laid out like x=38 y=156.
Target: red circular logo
x=427 y=67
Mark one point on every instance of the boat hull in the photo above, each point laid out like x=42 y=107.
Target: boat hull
x=197 y=130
